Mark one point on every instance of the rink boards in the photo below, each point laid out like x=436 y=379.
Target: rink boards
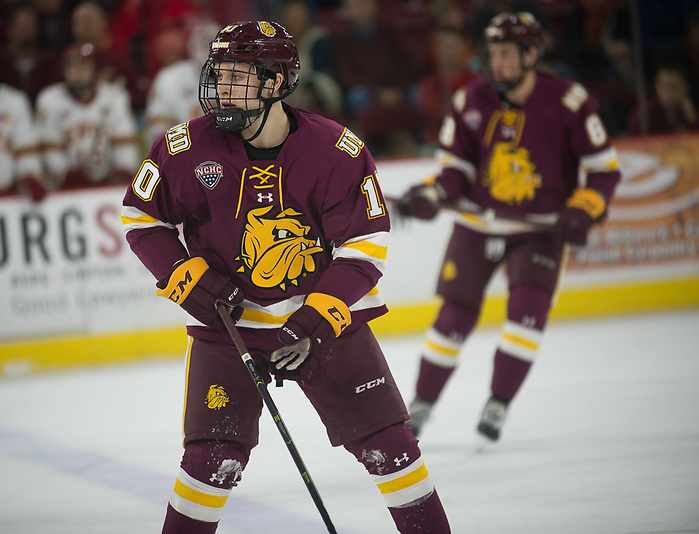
x=75 y=295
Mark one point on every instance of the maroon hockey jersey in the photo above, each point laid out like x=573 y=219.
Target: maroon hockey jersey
x=524 y=160
x=311 y=220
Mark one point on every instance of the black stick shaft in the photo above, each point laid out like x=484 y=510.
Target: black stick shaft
x=272 y=407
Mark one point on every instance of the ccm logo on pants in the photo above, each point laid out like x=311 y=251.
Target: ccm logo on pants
x=369 y=385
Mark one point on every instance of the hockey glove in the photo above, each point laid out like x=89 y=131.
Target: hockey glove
x=582 y=210
x=197 y=289
x=308 y=332
x=421 y=201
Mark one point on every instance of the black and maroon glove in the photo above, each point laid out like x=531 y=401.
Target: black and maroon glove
x=307 y=334
x=197 y=289
x=584 y=208
x=573 y=225
x=421 y=201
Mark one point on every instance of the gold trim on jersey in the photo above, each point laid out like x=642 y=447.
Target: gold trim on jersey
x=371 y=247
x=606 y=160
x=512 y=126
x=178 y=139
x=350 y=143
x=267 y=182
x=135 y=219
x=262 y=317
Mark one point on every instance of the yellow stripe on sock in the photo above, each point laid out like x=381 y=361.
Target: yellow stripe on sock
x=441 y=349
x=198 y=497
x=410 y=479
x=531 y=345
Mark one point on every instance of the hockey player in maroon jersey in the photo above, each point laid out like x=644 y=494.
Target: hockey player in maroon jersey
x=514 y=145
x=283 y=219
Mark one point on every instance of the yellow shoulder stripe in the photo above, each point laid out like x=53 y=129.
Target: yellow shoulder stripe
x=142 y=219
x=368 y=248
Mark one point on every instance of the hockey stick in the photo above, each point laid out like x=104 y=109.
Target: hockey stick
x=464 y=206
x=274 y=412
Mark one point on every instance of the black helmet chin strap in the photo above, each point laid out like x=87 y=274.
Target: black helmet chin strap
x=265 y=114
x=506 y=85
x=236 y=119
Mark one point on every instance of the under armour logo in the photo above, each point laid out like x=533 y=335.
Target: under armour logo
x=494 y=248
x=401 y=460
x=262 y=197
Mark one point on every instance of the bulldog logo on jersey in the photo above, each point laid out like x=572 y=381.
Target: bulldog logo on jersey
x=216 y=398
x=277 y=250
x=209 y=173
x=512 y=176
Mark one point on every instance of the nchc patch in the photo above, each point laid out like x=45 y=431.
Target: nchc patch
x=209 y=173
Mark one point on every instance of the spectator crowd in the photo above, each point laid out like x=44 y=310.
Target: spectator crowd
x=87 y=86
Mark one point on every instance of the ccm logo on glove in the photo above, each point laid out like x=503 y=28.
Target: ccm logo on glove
x=197 y=289
x=290 y=332
x=314 y=325
x=183 y=279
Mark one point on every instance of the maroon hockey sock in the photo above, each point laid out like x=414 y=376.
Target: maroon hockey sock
x=431 y=380
x=202 y=459
x=527 y=305
x=428 y=517
x=218 y=464
x=176 y=523
x=455 y=322
x=508 y=375
x=388 y=452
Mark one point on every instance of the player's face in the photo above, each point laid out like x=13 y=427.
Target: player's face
x=505 y=61
x=79 y=74
x=237 y=85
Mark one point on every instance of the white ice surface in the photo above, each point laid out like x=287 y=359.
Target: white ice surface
x=603 y=438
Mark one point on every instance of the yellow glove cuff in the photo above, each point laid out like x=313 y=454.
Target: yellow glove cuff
x=588 y=200
x=183 y=279
x=332 y=309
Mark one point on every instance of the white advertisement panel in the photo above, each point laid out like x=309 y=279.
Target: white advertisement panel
x=65 y=268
